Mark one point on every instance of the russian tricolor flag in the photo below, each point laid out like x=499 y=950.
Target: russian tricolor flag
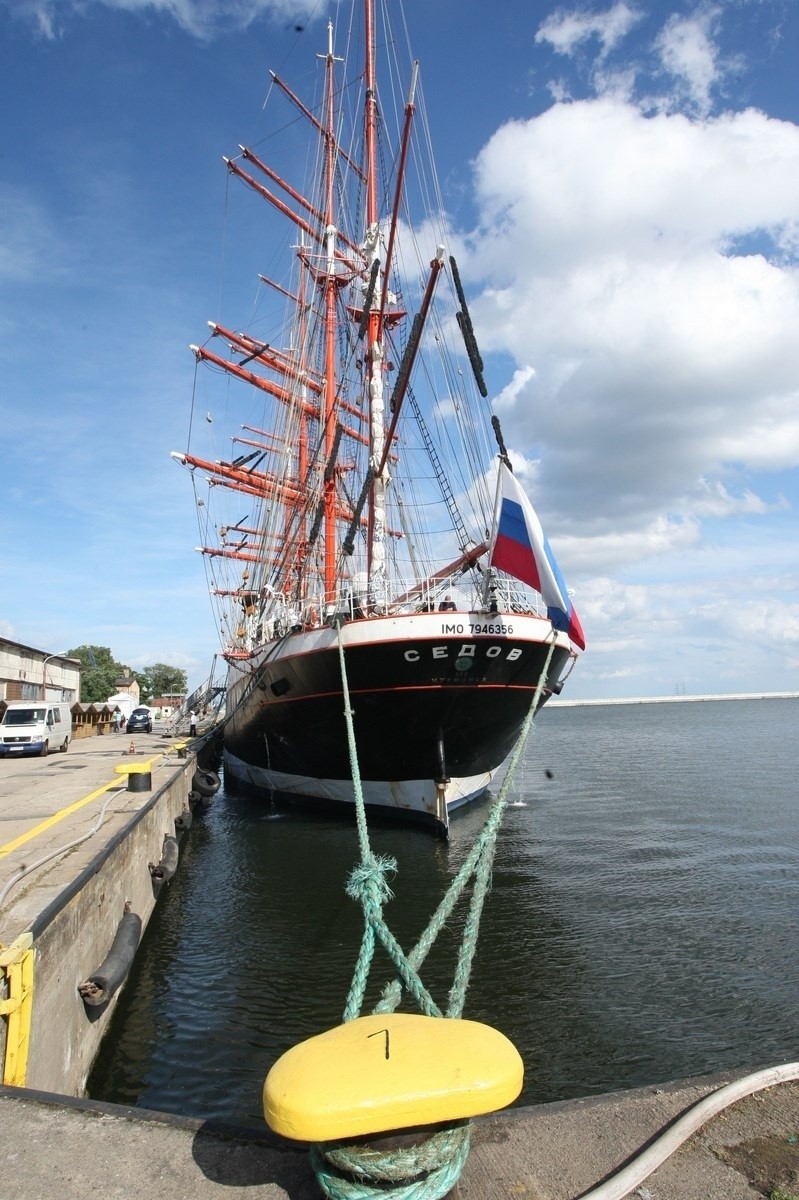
x=520 y=548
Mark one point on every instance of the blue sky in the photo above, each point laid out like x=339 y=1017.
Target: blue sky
x=624 y=179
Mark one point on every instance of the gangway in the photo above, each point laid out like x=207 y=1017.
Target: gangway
x=209 y=696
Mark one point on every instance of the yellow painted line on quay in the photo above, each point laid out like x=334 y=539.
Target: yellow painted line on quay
x=65 y=812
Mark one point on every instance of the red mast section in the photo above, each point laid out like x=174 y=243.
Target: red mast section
x=331 y=286
x=374 y=351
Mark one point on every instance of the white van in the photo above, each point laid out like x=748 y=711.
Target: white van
x=35 y=727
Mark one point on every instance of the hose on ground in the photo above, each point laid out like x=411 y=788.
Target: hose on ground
x=29 y=868
x=623 y=1182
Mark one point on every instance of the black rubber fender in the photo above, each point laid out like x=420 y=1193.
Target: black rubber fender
x=166 y=868
x=113 y=970
x=183 y=821
x=207 y=783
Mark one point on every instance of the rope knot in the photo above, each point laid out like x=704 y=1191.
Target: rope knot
x=368 y=884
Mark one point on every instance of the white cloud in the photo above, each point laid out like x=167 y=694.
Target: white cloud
x=617 y=549
x=565 y=30
x=770 y=621
x=638 y=271
x=682 y=632
x=617 y=84
x=29 y=245
x=660 y=357
x=202 y=18
x=713 y=499
x=688 y=52
x=511 y=391
x=559 y=90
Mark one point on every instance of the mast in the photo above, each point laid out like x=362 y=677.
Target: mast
x=330 y=288
x=302 y=459
x=377 y=506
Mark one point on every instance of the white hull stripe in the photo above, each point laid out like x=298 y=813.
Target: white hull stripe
x=417 y=627
x=412 y=795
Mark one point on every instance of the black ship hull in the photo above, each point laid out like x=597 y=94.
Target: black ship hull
x=438 y=702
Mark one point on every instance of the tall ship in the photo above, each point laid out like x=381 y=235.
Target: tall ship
x=363 y=507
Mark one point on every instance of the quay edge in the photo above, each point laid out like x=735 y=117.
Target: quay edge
x=546 y=1152
x=69 y=909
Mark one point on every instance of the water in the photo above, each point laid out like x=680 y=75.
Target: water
x=643 y=923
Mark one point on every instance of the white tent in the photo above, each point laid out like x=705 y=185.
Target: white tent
x=124 y=702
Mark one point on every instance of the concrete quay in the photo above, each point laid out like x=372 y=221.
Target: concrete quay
x=52 y=1148
x=46 y=803
x=77 y=840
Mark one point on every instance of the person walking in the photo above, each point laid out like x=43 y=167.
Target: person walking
x=115 y=721
x=193 y=723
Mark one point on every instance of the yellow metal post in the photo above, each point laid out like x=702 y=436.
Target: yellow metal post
x=16 y=961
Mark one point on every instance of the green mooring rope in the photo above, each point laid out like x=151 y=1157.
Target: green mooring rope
x=430 y=1168
x=425 y=1171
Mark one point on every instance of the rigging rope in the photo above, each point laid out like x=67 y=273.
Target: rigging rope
x=433 y=1166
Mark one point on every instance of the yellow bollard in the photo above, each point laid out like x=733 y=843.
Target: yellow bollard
x=387 y=1072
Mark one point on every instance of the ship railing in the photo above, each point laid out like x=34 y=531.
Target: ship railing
x=503 y=595
x=458 y=594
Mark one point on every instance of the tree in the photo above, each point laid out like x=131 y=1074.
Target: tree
x=145 y=691
x=163 y=680
x=99 y=673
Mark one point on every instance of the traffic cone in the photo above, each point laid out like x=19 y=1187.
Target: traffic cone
x=132 y=749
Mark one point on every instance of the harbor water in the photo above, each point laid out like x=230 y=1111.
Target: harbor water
x=642 y=926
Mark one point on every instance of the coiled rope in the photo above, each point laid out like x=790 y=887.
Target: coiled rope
x=432 y=1167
